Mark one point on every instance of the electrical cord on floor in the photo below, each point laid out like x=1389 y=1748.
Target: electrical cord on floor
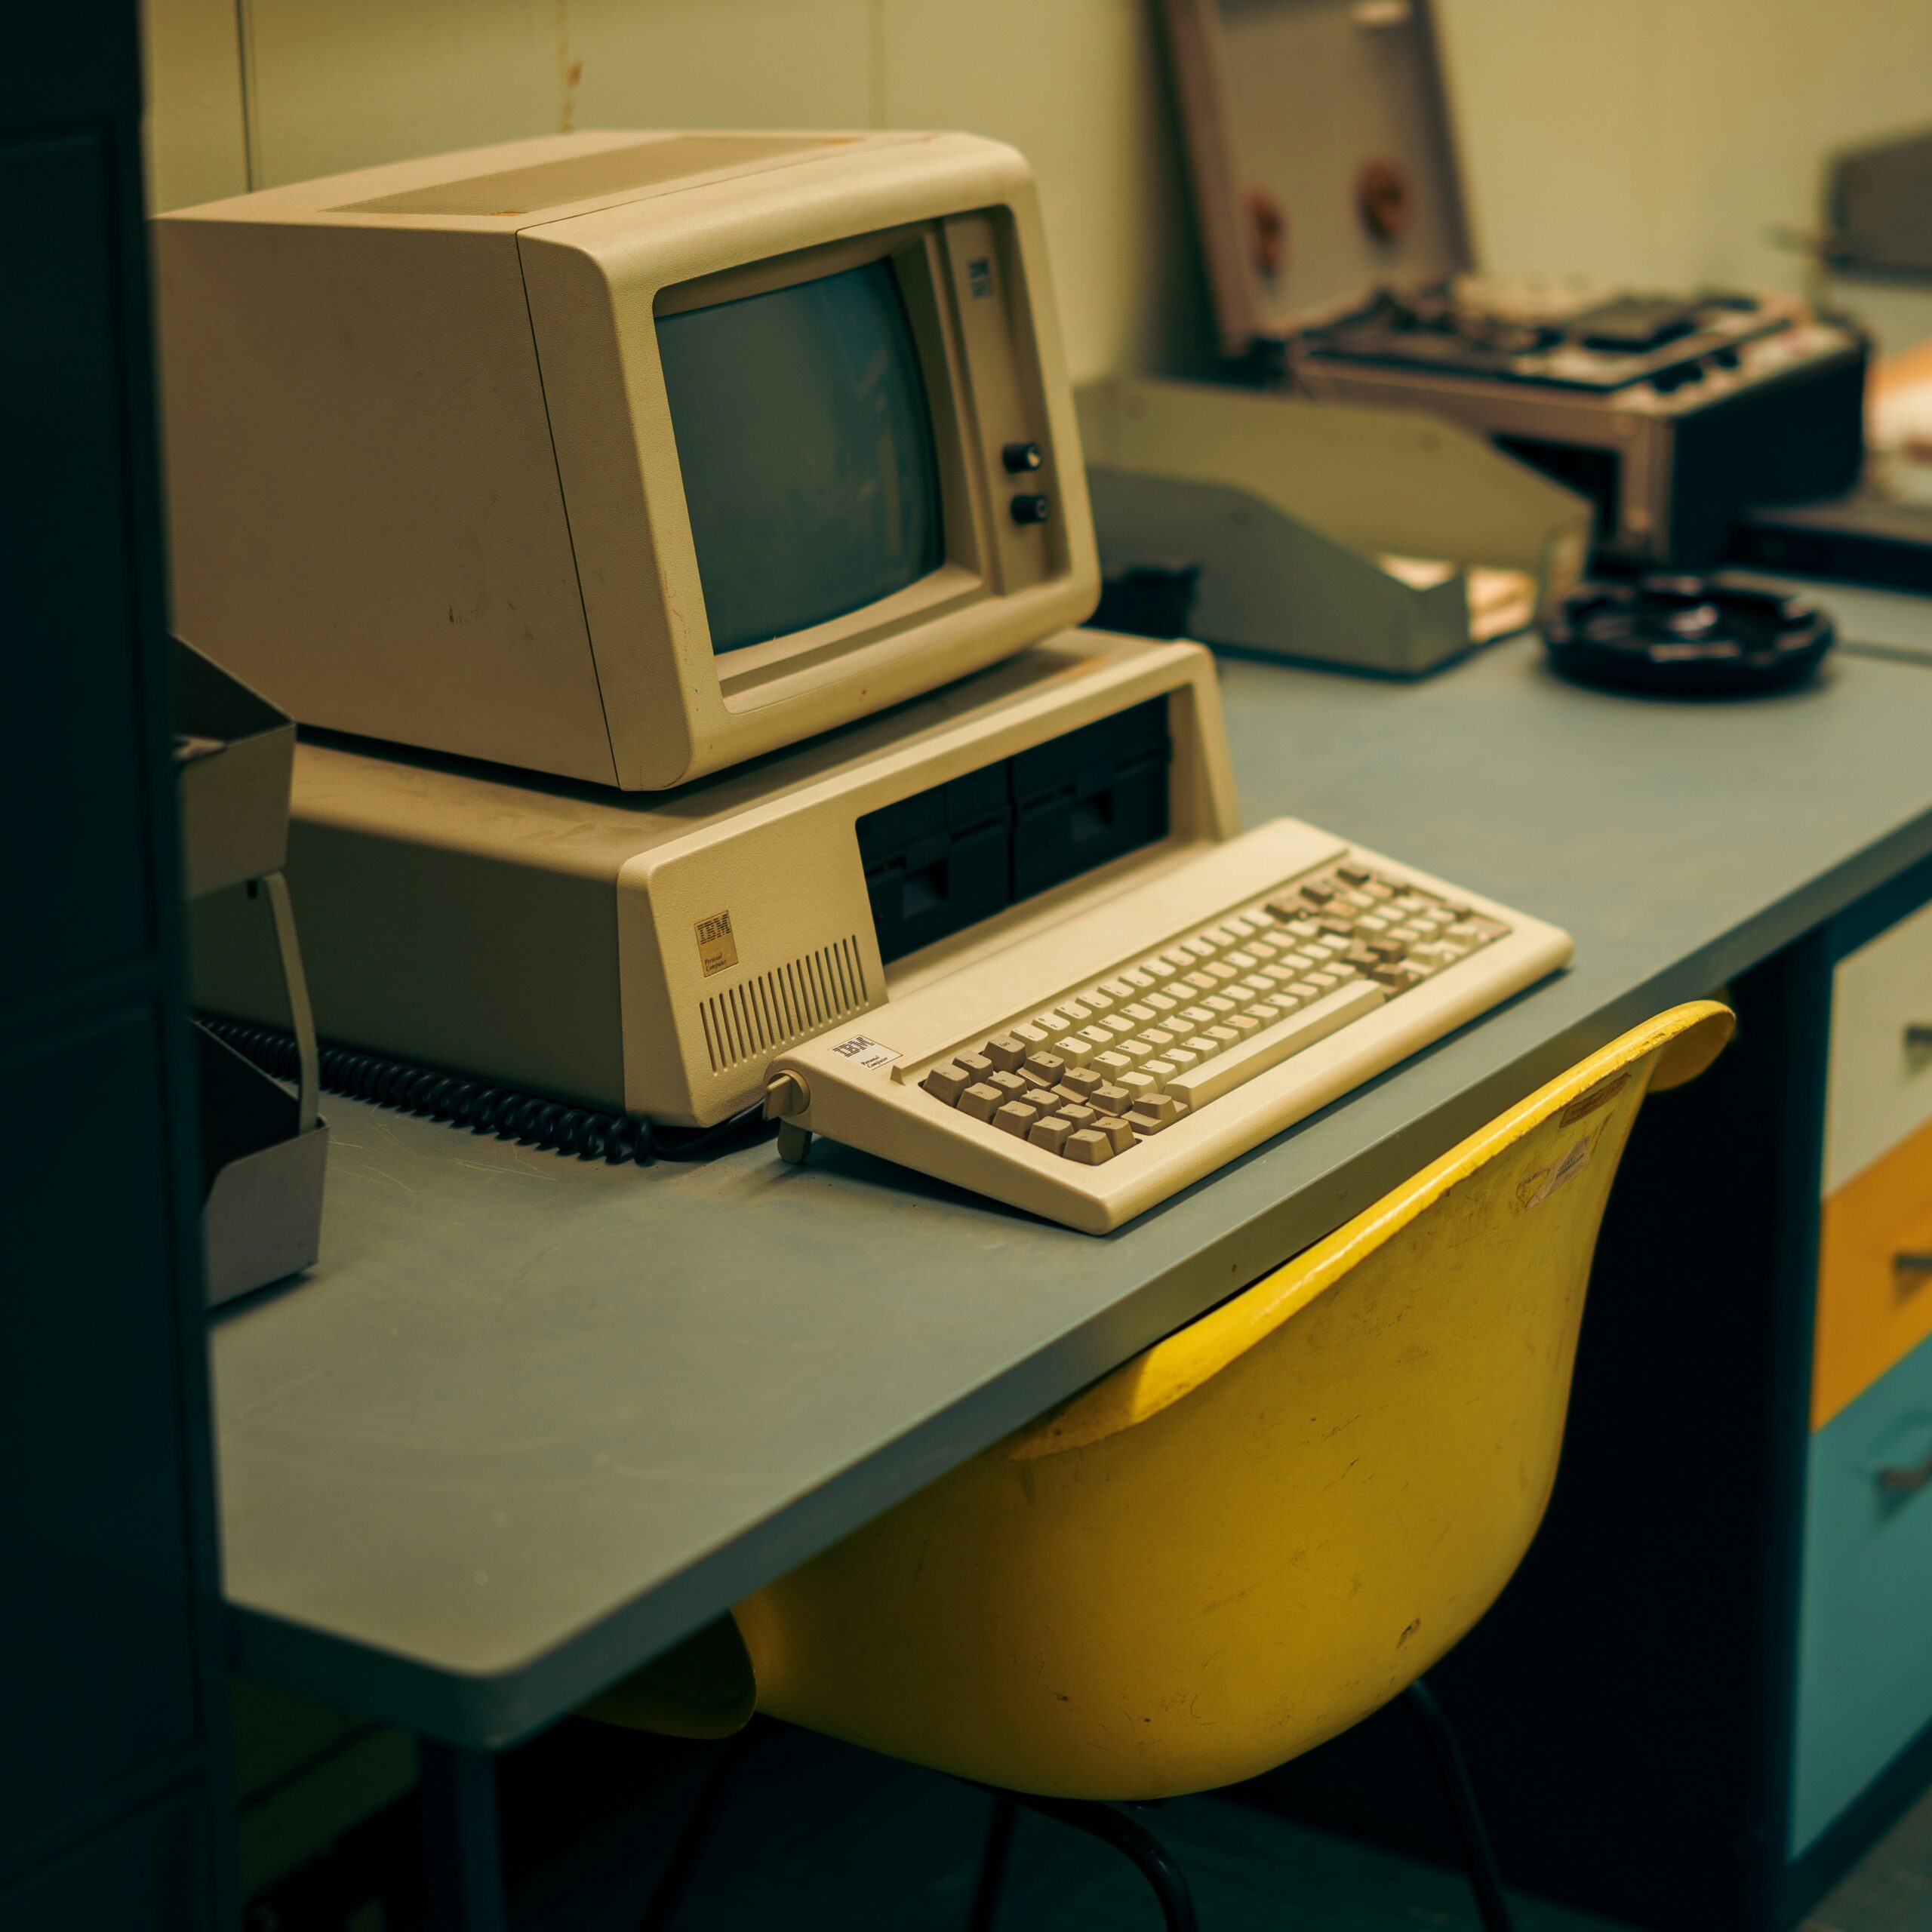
x=529 y=1119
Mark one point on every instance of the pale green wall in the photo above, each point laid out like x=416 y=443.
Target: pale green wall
x=1664 y=140
x=1659 y=140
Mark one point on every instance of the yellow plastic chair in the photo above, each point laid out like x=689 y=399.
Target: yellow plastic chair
x=1242 y=1542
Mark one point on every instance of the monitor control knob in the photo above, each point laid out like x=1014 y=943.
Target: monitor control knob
x=1021 y=457
x=1032 y=509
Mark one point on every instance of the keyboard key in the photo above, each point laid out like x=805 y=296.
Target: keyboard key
x=1159 y=1071
x=1255 y=984
x=1151 y=1115
x=1138 y=978
x=1268 y=1049
x=1027 y=1035
x=1074 y=1014
x=1053 y=1025
x=1242 y=1024
x=1016 y=1117
x=981 y=1101
x=1353 y=875
x=1097 y=1002
x=1264 y=1014
x=1109 y=1099
x=948 y=1082
x=1161 y=1002
x=1006 y=1052
x=1088 y=1146
x=1117 y=989
x=1050 y=1132
x=1114 y=1063
x=1008 y=1086
x=1203 y=1045
x=1081 y=1080
x=977 y=1065
x=1119 y=1133
x=1399 y=977
x=1159 y=970
x=1075 y=1048
x=1218 y=1005
x=1079 y=1114
x=1045 y=1068
x=1202 y=982
x=1226 y=1035
x=1117 y=1025
x=1045 y=1099
x=1140 y=1085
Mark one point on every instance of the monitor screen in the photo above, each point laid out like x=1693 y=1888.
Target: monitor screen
x=806 y=445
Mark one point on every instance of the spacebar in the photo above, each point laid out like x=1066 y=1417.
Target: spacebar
x=1239 y=1065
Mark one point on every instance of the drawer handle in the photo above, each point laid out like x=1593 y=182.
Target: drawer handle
x=1907 y=1480
x=1911 y=1269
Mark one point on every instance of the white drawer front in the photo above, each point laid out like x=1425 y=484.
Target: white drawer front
x=1881 y=1087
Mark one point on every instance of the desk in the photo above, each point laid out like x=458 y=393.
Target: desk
x=530 y=1421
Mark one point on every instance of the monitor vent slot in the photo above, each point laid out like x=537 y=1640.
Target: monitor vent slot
x=769 y=1011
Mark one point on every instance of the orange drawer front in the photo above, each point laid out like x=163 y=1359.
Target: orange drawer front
x=1875 y=1275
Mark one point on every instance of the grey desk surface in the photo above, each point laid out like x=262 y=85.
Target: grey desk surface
x=529 y=1421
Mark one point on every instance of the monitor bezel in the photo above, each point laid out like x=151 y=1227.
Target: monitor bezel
x=592 y=281
x=754 y=675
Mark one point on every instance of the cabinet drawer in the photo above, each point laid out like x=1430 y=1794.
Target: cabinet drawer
x=1881 y=1086
x=1875 y=1275
x=1865 y=1666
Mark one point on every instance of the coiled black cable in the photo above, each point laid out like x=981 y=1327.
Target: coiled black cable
x=529 y=1119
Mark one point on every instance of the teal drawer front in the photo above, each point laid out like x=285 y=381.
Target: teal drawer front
x=1865 y=1644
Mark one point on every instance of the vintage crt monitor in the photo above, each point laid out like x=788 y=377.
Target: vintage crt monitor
x=621 y=456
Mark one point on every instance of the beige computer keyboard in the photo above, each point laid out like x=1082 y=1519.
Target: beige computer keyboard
x=1093 y=1069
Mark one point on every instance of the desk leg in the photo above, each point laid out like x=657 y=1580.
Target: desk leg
x=462 y=1860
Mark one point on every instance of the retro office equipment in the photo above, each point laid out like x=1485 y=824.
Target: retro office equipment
x=1348 y=269
x=1383 y=540
x=469 y=453
x=845 y=930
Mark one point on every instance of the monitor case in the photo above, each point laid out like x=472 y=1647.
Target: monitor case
x=1295 y=112
x=422 y=482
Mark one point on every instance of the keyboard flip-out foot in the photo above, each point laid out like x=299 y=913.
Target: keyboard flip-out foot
x=794 y=1143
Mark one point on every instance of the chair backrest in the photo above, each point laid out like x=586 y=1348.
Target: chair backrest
x=1254 y=1534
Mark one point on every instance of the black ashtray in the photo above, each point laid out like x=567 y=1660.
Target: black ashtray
x=1692 y=635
